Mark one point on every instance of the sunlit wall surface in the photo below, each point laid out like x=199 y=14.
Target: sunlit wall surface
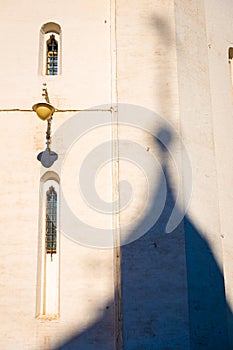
x=143 y=132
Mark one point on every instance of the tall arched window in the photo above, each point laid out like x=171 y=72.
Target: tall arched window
x=50 y=49
x=49 y=248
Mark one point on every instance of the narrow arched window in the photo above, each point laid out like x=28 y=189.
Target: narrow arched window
x=51 y=221
x=50 y=49
x=49 y=248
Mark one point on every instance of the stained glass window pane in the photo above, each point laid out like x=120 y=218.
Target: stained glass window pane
x=51 y=221
x=52 y=56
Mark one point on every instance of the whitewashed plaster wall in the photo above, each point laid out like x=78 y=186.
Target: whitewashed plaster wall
x=200 y=80
x=160 y=55
x=154 y=303
x=86 y=274
x=219 y=40
x=86 y=58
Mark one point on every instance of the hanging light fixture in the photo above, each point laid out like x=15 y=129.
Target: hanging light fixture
x=45 y=111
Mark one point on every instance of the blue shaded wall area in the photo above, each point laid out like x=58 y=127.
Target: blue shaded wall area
x=206 y=294
x=172 y=291
x=173 y=295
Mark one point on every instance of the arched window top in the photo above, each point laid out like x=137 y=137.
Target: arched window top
x=50 y=175
x=52 y=43
x=51 y=195
x=51 y=27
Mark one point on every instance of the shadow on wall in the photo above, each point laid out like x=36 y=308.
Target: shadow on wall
x=173 y=294
x=177 y=298
x=172 y=290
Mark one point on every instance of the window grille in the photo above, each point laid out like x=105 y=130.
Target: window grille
x=52 y=56
x=51 y=221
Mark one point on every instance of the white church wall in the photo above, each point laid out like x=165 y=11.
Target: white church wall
x=86 y=274
x=153 y=272
x=219 y=39
x=203 y=239
x=170 y=59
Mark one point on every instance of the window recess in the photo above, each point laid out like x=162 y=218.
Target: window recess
x=48 y=280
x=50 y=49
